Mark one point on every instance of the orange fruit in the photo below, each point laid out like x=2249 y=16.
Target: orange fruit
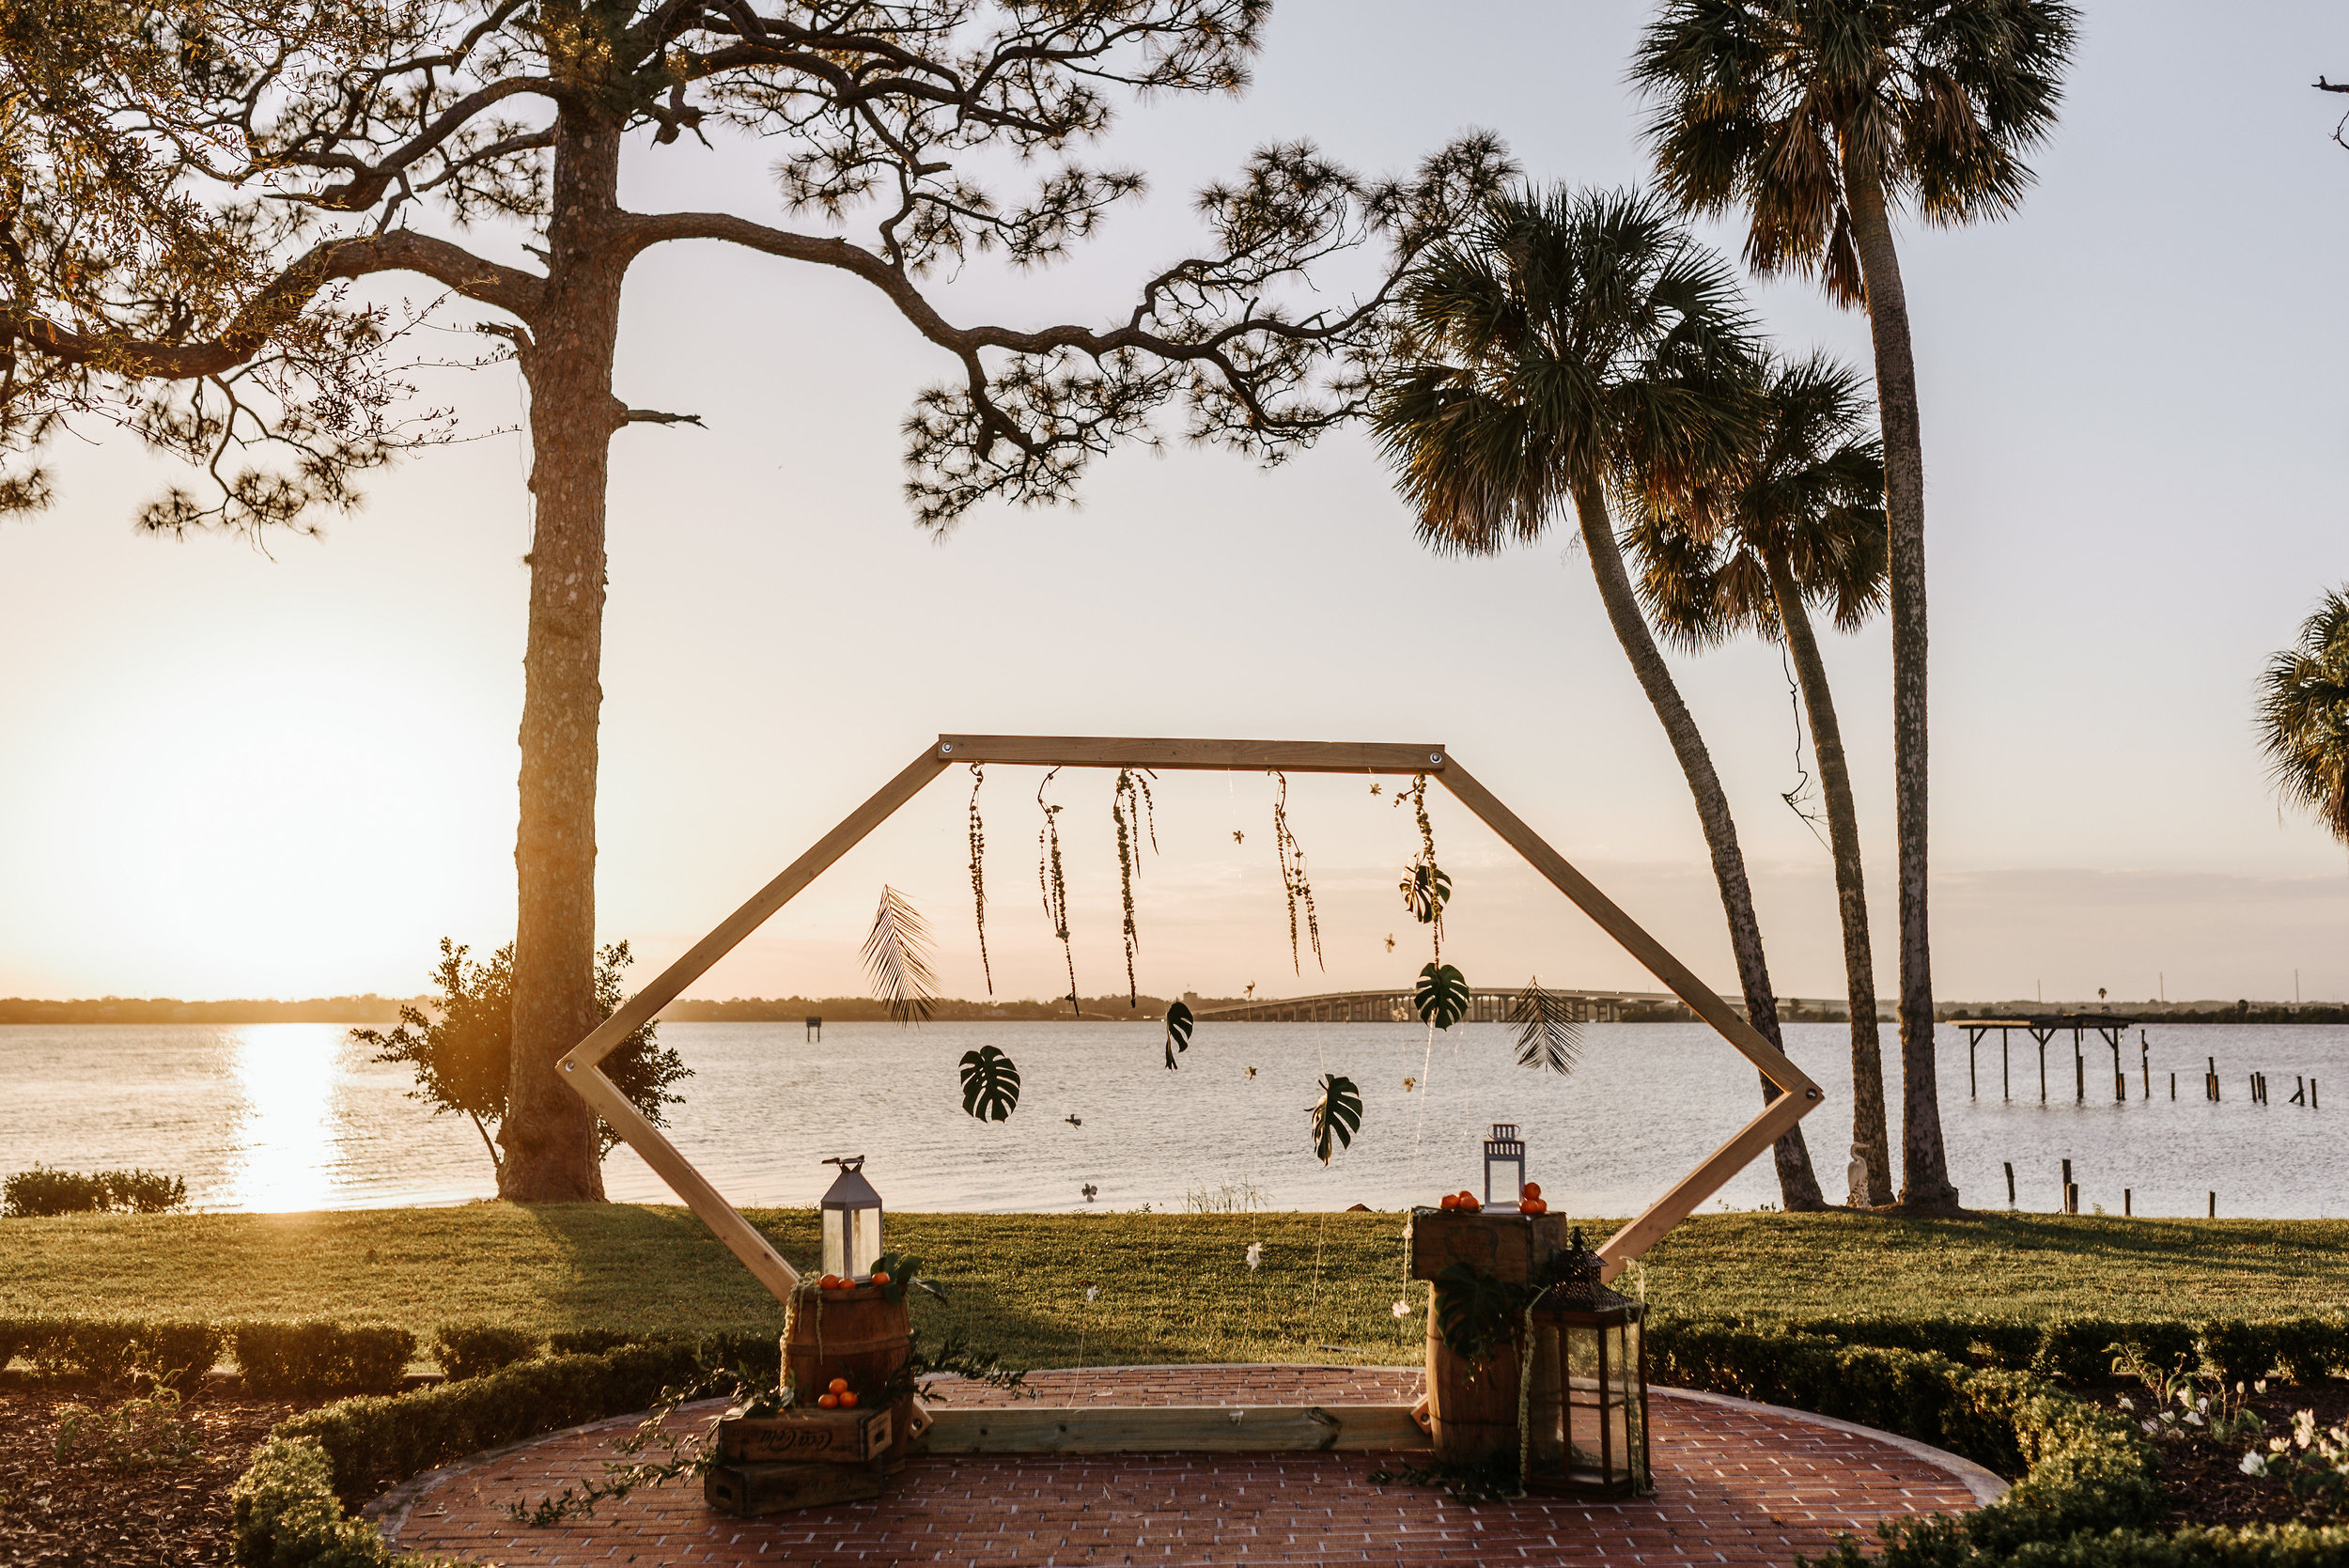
x=1450 y=1201
x=847 y=1401
x=838 y=1386
x=828 y=1402
x=881 y=1277
x=830 y=1282
x=1470 y=1203
x=1532 y=1189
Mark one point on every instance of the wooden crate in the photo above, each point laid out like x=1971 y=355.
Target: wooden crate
x=747 y=1490
x=826 y=1436
x=1503 y=1243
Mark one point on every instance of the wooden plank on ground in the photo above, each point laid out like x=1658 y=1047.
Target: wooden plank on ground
x=1172 y=1429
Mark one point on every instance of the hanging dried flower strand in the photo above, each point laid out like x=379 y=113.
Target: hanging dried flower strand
x=978 y=871
x=1131 y=808
x=1294 y=884
x=1426 y=888
x=1053 y=886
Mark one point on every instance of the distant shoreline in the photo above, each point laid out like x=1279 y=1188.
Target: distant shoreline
x=373 y=1009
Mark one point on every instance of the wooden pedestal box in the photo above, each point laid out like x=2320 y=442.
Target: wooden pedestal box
x=805 y=1437
x=746 y=1490
x=1500 y=1242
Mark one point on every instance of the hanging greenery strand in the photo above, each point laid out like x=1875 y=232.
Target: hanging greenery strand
x=1426 y=888
x=1054 y=885
x=1131 y=808
x=978 y=871
x=1294 y=883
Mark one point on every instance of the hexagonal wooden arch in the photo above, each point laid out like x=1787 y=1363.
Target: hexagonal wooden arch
x=1797 y=1099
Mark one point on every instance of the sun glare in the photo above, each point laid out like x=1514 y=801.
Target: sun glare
x=286 y=1143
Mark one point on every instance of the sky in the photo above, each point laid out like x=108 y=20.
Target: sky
x=231 y=770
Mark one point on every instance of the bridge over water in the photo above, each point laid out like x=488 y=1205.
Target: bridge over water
x=1485 y=1006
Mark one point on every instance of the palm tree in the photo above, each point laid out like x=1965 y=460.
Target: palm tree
x=1559 y=348
x=1796 y=520
x=1818 y=117
x=2304 y=716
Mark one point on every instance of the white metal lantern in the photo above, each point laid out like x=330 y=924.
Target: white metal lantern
x=851 y=1221
x=1504 y=1152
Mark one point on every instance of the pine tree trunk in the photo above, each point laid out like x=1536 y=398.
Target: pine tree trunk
x=1798 y=1186
x=1924 y=1162
x=548 y=1133
x=1851 y=892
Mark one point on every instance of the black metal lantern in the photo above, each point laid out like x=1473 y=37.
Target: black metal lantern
x=1586 y=1411
x=851 y=1221
x=1504 y=1151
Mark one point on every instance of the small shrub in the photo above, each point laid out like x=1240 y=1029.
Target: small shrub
x=136 y=1435
x=40 y=1191
x=285 y=1513
x=592 y=1341
x=2236 y=1351
x=469 y=1350
x=322 y=1358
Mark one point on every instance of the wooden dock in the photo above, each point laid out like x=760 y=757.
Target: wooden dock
x=2042 y=1028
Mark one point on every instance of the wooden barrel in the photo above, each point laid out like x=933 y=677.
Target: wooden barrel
x=1471 y=1407
x=857 y=1335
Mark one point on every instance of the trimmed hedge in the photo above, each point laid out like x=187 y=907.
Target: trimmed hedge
x=2077 y=1349
x=372 y=1442
x=322 y=1358
x=468 y=1350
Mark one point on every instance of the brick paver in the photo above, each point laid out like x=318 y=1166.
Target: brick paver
x=1733 y=1486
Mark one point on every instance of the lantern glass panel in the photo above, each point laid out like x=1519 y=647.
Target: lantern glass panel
x=1588 y=1409
x=850 y=1222
x=1504 y=1165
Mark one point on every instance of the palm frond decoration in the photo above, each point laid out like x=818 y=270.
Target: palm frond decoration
x=1337 y=1115
x=1442 y=996
x=1549 y=1034
x=1426 y=887
x=897 y=959
x=990 y=1084
x=1178 y=1027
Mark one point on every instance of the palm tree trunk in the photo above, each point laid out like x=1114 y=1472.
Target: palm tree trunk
x=1851 y=892
x=1924 y=1162
x=1798 y=1186
x=548 y=1133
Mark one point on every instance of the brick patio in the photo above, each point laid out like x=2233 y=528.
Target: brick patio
x=1735 y=1484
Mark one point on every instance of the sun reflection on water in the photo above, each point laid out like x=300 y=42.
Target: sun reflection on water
x=287 y=1144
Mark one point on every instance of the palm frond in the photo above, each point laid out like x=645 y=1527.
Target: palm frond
x=1548 y=1034
x=897 y=959
x=2304 y=716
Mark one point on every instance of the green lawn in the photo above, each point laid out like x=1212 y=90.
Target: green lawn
x=1171 y=1287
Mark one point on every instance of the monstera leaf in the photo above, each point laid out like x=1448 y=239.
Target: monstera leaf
x=1442 y=995
x=1425 y=891
x=1475 y=1312
x=990 y=1084
x=1336 y=1116
x=1178 y=1022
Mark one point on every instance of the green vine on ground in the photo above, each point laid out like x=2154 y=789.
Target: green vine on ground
x=1054 y=885
x=1132 y=809
x=1293 y=882
x=978 y=870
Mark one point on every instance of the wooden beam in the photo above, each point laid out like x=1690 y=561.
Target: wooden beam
x=1172 y=1429
x=1799 y=1094
x=581 y=1072
x=1293 y=756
